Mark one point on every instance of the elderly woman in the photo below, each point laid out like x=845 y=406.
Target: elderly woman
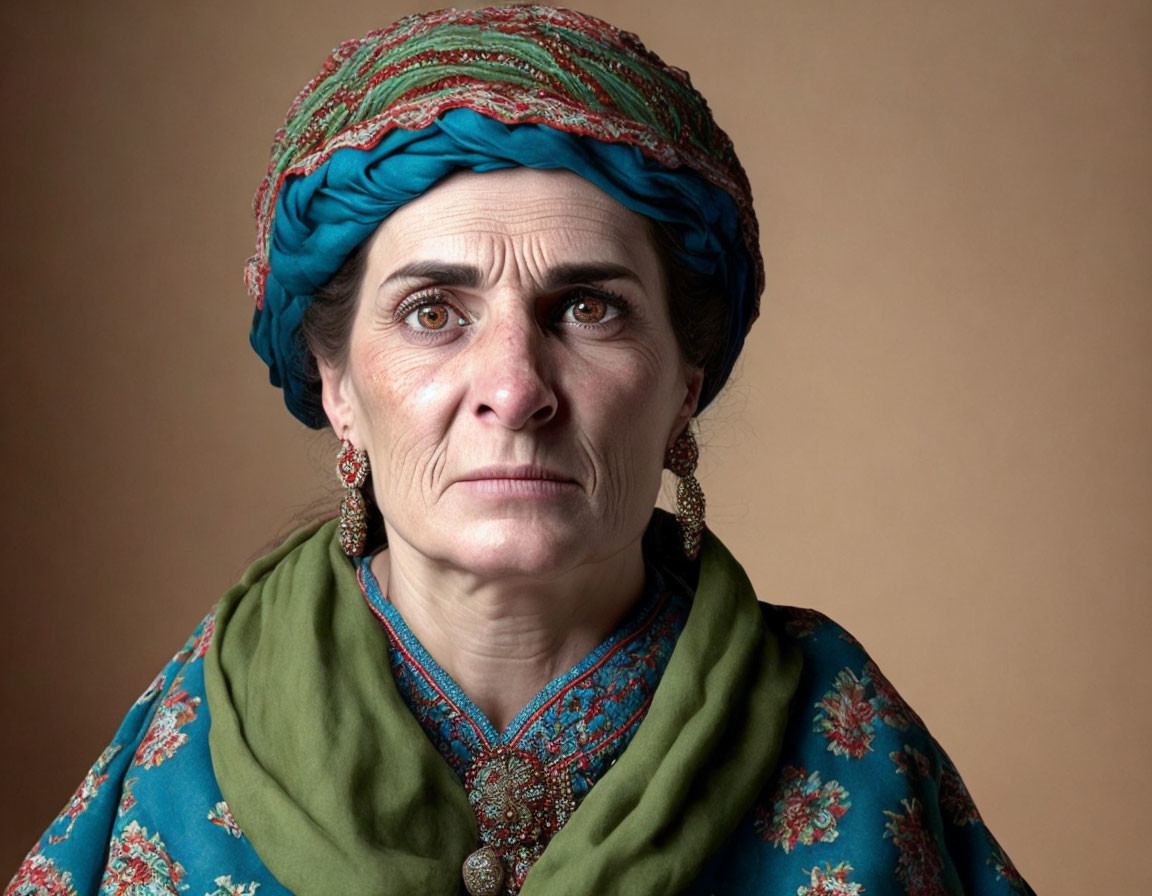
x=508 y=256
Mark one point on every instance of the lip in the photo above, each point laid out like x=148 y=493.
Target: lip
x=522 y=473
x=517 y=482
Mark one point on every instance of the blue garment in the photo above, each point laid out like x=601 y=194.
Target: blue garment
x=863 y=800
x=149 y=818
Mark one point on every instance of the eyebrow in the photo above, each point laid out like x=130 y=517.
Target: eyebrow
x=438 y=272
x=587 y=272
x=471 y=277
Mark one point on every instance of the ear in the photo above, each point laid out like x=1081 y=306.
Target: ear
x=694 y=384
x=338 y=397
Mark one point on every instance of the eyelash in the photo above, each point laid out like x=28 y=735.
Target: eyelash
x=426 y=298
x=615 y=302
x=618 y=307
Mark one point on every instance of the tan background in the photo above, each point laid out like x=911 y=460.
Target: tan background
x=942 y=434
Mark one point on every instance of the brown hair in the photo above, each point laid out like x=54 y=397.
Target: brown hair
x=696 y=306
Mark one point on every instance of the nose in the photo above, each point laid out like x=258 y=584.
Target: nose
x=512 y=381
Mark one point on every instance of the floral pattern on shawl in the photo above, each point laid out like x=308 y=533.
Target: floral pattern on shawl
x=831 y=880
x=955 y=799
x=38 y=876
x=890 y=706
x=802 y=622
x=106 y=840
x=847 y=716
x=221 y=816
x=804 y=810
x=848 y=712
x=139 y=865
x=225 y=887
x=911 y=762
x=1005 y=870
x=919 y=866
x=153 y=690
x=165 y=736
x=202 y=640
x=87 y=791
x=128 y=799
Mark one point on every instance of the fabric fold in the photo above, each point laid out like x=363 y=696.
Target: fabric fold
x=324 y=768
x=708 y=745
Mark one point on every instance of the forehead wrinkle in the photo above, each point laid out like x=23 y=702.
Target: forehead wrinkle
x=517 y=224
x=512 y=198
x=435 y=225
x=535 y=255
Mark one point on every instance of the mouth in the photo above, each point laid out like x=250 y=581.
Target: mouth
x=526 y=480
x=522 y=473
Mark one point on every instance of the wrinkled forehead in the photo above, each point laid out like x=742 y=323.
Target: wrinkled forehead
x=532 y=217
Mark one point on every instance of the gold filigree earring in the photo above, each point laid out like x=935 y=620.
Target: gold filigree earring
x=681 y=459
x=352 y=470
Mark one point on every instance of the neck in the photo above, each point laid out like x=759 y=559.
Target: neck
x=502 y=641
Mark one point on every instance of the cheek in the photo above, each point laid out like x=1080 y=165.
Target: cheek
x=407 y=408
x=630 y=407
x=644 y=387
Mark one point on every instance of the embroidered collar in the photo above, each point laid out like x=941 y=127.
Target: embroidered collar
x=524 y=782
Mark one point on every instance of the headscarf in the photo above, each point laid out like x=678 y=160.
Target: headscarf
x=394 y=113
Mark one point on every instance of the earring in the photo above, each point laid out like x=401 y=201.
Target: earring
x=352 y=470
x=681 y=459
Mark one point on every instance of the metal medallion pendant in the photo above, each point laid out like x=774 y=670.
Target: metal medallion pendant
x=484 y=873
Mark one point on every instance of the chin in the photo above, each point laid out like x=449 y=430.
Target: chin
x=539 y=549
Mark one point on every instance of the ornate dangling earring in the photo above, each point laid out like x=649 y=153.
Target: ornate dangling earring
x=352 y=470
x=681 y=459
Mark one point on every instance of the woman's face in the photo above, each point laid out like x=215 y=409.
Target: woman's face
x=513 y=374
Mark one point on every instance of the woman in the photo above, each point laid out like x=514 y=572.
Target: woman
x=507 y=256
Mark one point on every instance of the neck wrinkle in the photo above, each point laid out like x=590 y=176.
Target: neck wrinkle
x=503 y=641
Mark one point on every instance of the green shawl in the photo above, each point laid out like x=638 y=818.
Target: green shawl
x=338 y=789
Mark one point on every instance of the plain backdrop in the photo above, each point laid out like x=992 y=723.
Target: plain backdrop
x=940 y=432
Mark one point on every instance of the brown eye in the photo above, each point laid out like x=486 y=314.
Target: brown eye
x=431 y=312
x=432 y=317
x=589 y=310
